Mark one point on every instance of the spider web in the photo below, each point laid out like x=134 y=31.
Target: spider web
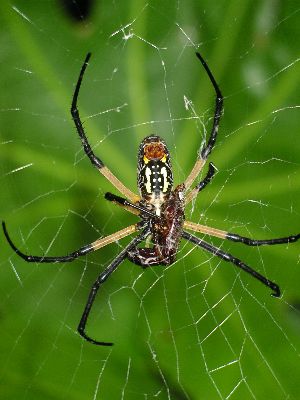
x=199 y=329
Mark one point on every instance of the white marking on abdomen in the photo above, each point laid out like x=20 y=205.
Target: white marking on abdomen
x=148 y=181
x=164 y=173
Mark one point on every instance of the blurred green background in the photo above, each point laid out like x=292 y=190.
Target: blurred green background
x=199 y=329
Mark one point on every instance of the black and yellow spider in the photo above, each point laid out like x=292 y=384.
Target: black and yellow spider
x=159 y=206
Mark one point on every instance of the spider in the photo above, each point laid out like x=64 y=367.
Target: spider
x=159 y=207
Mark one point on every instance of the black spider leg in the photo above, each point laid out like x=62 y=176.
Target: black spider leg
x=236 y=261
x=210 y=174
x=100 y=280
x=99 y=164
x=204 y=152
x=218 y=111
x=75 y=114
x=202 y=184
x=124 y=202
x=254 y=242
x=42 y=259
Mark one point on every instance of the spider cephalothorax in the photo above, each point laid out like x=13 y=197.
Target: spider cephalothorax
x=166 y=231
x=160 y=208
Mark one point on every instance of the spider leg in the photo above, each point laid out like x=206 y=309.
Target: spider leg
x=236 y=261
x=255 y=242
x=100 y=280
x=75 y=254
x=237 y=238
x=202 y=184
x=202 y=156
x=134 y=208
x=206 y=230
x=87 y=148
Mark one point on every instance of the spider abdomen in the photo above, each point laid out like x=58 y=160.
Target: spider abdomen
x=155 y=177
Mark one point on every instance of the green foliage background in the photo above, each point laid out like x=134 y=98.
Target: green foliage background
x=196 y=330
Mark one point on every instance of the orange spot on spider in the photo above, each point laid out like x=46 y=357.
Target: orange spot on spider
x=154 y=150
